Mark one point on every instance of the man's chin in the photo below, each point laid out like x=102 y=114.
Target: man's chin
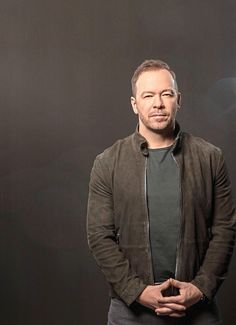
x=159 y=128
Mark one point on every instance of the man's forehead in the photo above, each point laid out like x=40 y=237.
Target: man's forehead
x=155 y=78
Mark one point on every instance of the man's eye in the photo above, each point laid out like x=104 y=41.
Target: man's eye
x=167 y=94
x=148 y=96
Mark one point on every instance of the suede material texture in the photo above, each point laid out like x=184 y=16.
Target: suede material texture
x=118 y=224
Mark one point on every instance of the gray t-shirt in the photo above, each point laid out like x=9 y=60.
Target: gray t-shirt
x=163 y=195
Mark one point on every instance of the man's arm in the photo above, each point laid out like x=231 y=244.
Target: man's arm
x=216 y=262
x=102 y=239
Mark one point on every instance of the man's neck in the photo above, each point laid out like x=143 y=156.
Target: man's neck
x=158 y=140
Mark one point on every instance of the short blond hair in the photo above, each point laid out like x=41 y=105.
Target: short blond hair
x=149 y=65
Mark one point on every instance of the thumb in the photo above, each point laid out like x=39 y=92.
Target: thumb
x=165 y=285
x=176 y=283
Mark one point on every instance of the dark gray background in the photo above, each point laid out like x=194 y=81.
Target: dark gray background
x=65 y=69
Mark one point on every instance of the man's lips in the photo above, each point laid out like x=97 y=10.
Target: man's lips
x=158 y=115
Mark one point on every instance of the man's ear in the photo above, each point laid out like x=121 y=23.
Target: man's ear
x=134 y=106
x=179 y=100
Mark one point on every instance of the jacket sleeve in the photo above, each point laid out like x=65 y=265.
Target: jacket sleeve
x=102 y=239
x=215 y=264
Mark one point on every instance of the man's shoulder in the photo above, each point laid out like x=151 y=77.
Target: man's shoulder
x=200 y=144
x=119 y=145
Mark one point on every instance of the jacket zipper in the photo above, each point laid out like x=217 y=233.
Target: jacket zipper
x=181 y=223
x=148 y=223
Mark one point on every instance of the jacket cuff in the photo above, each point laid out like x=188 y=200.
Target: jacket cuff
x=204 y=285
x=130 y=294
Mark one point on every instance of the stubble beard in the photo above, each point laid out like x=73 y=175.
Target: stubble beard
x=158 y=127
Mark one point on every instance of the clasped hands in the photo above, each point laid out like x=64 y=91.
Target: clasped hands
x=173 y=306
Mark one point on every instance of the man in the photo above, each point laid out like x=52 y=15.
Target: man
x=161 y=222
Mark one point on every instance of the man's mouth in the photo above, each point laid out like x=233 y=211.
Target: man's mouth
x=158 y=115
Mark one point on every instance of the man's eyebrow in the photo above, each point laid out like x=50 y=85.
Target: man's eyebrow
x=147 y=92
x=173 y=91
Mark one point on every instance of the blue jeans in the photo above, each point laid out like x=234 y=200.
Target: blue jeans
x=203 y=313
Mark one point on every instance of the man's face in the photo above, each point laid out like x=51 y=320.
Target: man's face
x=156 y=102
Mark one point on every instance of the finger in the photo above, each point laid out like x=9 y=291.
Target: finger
x=169 y=312
x=177 y=284
x=174 y=307
x=171 y=299
x=165 y=285
x=163 y=311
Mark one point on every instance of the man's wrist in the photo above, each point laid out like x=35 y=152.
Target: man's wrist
x=203 y=298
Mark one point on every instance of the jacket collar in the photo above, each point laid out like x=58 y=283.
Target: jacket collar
x=143 y=144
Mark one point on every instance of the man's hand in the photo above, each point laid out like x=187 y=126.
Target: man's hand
x=151 y=297
x=188 y=296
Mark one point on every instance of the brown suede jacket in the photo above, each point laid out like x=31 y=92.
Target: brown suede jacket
x=118 y=224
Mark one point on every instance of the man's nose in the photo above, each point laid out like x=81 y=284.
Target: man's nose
x=158 y=102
